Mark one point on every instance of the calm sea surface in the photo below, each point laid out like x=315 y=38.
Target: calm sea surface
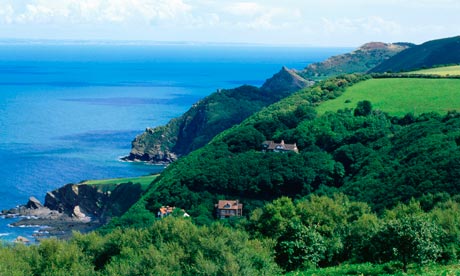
x=68 y=112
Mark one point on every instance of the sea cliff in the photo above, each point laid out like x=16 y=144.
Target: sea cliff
x=210 y=116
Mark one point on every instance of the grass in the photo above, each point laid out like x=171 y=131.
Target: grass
x=441 y=71
x=400 y=96
x=144 y=181
x=381 y=269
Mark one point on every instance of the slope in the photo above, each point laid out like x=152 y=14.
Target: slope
x=375 y=158
x=432 y=53
x=210 y=116
x=400 y=96
x=361 y=60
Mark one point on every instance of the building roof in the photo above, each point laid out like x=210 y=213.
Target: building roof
x=229 y=205
x=271 y=145
x=166 y=210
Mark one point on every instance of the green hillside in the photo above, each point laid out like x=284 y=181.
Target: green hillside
x=400 y=96
x=432 y=53
x=370 y=193
x=210 y=116
x=440 y=71
x=360 y=60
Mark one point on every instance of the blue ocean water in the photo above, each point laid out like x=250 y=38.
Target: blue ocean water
x=68 y=112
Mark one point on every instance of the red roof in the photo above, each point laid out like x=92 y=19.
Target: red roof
x=229 y=205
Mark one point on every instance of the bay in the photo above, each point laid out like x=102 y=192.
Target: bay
x=69 y=112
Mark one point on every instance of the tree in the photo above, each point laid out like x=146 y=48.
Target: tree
x=244 y=139
x=273 y=219
x=299 y=246
x=363 y=108
x=409 y=239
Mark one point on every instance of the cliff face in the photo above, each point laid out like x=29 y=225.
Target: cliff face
x=361 y=60
x=210 y=116
x=88 y=202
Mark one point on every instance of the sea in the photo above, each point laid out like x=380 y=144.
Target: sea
x=69 y=111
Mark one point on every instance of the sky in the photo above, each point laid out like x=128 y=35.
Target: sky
x=332 y=23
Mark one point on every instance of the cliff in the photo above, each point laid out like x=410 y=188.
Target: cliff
x=210 y=116
x=361 y=60
x=80 y=207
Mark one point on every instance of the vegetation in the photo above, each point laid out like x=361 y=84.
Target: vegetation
x=440 y=71
x=399 y=96
x=144 y=181
x=380 y=270
x=311 y=235
x=438 y=52
x=172 y=246
x=210 y=116
x=359 y=61
x=374 y=190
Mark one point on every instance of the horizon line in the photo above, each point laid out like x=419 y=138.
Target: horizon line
x=89 y=42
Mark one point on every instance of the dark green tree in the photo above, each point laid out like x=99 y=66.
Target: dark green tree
x=363 y=108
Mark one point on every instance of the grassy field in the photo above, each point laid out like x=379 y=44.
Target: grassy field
x=442 y=71
x=383 y=269
x=143 y=180
x=400 y=96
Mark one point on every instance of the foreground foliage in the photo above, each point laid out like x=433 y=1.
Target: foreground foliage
x=283 y=235
x=171 y=246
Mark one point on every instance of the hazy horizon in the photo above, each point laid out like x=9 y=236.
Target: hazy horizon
x=328 y=23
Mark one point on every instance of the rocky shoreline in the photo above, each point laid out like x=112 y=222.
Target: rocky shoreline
x=74 y=207
x=52 y=223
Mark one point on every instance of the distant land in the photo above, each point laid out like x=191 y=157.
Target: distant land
x=444 y=51
x=164 y=144
x=360 y=60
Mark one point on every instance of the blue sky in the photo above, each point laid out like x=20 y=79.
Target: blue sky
x=294 y=22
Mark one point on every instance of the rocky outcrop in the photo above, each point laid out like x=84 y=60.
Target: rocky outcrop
x=34 y=203
x=285 y=81
x=65 y=199
x=209 y=117
x=79 y=207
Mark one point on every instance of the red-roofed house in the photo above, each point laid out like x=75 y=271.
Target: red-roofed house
x=229 y=208
x=165 y=211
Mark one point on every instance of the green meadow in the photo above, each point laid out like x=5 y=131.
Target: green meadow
x=399 y=96
x=144 y=181
x=441 y=71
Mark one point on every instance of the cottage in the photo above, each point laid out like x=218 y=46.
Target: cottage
x=279 y=147
x=165 y=211
x=228 y=208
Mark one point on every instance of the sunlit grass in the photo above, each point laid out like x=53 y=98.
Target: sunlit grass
x=441 y=71
x=400 y=96
x=144 y=181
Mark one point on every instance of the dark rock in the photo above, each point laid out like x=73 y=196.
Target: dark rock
x=33 y=203
x=66 y=198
